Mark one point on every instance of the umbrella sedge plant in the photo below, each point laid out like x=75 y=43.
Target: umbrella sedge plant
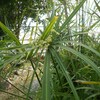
x=68 y=68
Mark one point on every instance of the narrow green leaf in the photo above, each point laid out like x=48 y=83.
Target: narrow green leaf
x=46 y=78
x=87 y=82
x=98 y=7
x=17 y=47
x=85 y=46
x=92 y=96
x=72 y=15
x=49 y=27
x=65 y=72
x=87 y=60
x=9 y=33
x=92 y=26
x=58 y=21
x=31 y=82
x=11 y=59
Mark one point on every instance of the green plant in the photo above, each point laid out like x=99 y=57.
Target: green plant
x=71 y=65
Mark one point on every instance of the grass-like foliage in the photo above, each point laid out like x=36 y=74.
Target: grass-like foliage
x=69 y=56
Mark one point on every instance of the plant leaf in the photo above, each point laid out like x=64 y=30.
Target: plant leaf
x=98 y=7
x=9 y=33
x=48 y=28
x=72 y=15
x=65 y=72
x=46 y=78
x=87 y=60
x=85 y=46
